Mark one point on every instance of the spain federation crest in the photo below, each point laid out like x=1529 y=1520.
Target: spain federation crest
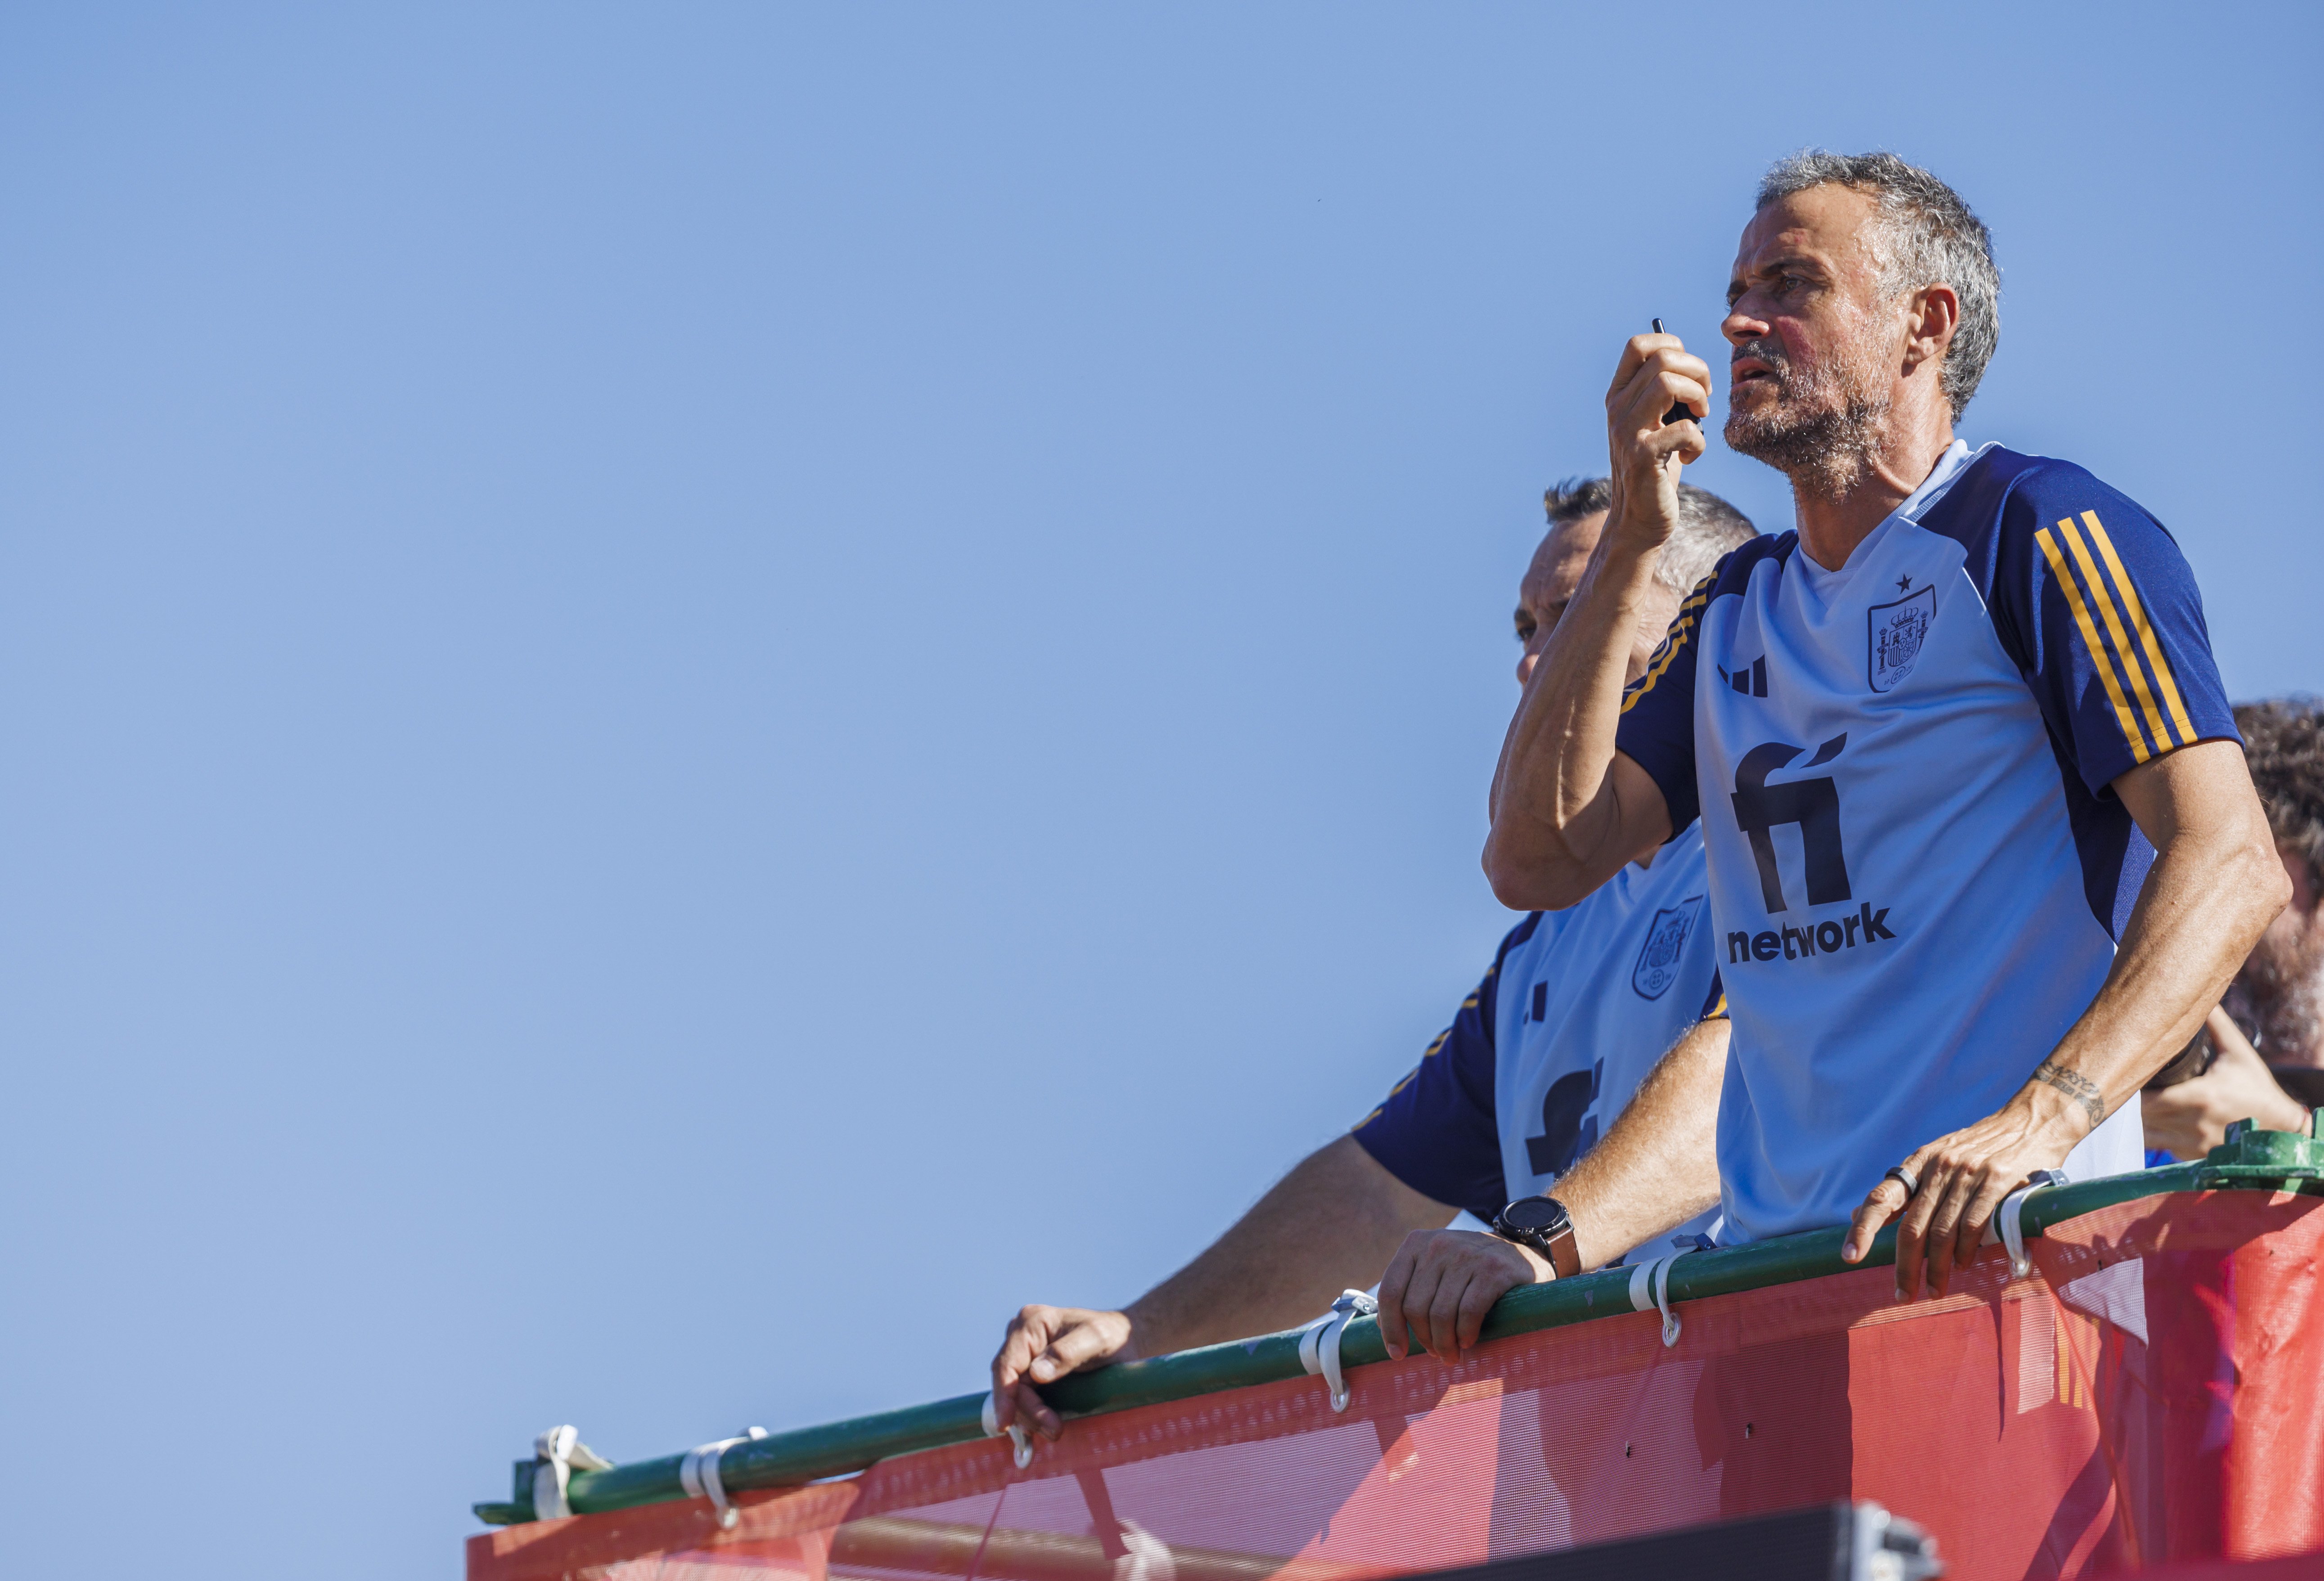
x=1893 y=645
x=1657 y=965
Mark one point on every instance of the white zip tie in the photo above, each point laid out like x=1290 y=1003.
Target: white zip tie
x=559 y=1450
x=697 y=1474
x=1319 y=1347
x=1650 y=1292
x=2011 y=1218
x=1017 y=1436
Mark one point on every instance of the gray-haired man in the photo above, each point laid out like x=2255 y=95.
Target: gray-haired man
x=1982 y=847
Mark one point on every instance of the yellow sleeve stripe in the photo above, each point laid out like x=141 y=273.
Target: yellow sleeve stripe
x=1718 y=1010
x=2090 y=639
x=2166 y=680
x=1680 y=628
x=2129 y=635
x=1369 y=1118
x=2121 y=653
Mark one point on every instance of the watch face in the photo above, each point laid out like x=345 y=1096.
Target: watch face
x=1539 y=1215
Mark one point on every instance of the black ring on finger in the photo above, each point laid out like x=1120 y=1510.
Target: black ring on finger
x=1906 y=1179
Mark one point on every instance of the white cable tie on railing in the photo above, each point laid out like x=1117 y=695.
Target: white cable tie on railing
x=1319 y=1347
x=1017 y=1436
x=2011 y=1218
x=1650 y=1290
x=697 y=1474
x=560 y=1452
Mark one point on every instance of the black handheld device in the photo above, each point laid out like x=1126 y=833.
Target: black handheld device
x=1678 y=412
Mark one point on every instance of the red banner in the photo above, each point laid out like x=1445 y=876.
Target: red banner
x=2150 y=1395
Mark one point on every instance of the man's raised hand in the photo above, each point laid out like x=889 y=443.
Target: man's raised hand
x=1645 y=453
x=1441 y=1284
x=1043 y=1345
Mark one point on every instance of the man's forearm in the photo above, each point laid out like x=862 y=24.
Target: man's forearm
x=1556 y=817
x=1658 y=1165
x=2215 y=885
x=1333 y=1221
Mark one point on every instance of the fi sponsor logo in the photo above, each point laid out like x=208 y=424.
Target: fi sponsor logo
x=1813 y=806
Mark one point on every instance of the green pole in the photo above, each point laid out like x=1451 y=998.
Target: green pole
x=2251 y=1160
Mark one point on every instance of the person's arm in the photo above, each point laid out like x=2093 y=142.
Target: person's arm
x=2191 y=1117
x=2215 y=885
x=1655 y=1168
x=1658 y=1166
x=1337 y=1213
x=1430 y=1148
x=1567 y=808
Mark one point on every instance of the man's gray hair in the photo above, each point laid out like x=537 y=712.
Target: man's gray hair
x=1708 y=526
x=1927 y=236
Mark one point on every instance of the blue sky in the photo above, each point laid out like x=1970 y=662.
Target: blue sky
x=695 y=697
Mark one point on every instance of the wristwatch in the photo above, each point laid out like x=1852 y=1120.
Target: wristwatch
x=1542 y=1225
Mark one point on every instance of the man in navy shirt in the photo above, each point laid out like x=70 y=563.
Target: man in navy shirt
x=1568 y=1031
x=1982 y=847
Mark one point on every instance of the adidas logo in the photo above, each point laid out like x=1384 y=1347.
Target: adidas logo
x=1746 y=683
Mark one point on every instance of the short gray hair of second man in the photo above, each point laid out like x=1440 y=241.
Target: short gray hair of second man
x=1927 y=236
x=1708 y=526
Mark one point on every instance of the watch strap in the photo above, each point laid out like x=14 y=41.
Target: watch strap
x=1562 y=1253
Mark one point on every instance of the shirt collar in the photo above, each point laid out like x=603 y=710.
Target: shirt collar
x=1949 y=467
x=1941 y=476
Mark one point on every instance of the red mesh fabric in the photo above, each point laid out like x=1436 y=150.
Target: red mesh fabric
x=2151 y=1395
x=2293 y=1567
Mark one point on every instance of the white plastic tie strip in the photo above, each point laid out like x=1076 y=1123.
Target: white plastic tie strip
x=2011 y=1218
x=697 y=1474
x=1319 y=1347
x=560 y=1452
x=1650 y=1292
x=1017 y=1436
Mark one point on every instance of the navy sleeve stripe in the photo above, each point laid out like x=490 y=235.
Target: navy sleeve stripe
x=2146 y=731
x=1682 y=627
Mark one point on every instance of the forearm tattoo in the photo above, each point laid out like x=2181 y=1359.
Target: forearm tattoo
x=2081 y=1088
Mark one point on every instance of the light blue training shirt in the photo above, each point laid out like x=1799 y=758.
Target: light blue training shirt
x=1901 y=771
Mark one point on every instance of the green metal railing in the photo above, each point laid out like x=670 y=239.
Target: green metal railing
x=2252 y=1159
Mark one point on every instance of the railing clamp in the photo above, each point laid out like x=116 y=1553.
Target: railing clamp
x=559 y=1452
x=1319 y=1347
x=697 y=1474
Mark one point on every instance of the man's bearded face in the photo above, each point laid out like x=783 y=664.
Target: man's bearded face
x=1802 y=416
